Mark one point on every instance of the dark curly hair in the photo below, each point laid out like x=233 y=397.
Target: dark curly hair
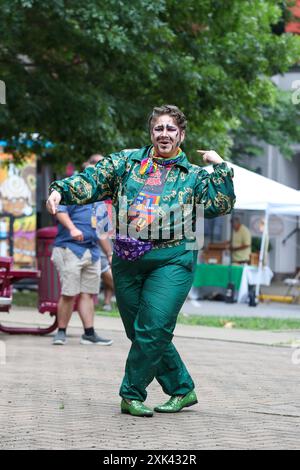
x=172 y=111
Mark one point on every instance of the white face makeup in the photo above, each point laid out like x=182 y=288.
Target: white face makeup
x=166 y=136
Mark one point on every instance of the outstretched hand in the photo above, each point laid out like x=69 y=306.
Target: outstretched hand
x=52 y=202
x=210 y=156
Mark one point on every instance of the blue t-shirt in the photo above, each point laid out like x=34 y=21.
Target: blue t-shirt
x=103 y=223
x=81 y=217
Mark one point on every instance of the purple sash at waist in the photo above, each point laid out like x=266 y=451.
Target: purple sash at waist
x=131 y=249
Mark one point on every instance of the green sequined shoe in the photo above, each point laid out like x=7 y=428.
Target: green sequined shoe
x=177 y=402
x=135 y=408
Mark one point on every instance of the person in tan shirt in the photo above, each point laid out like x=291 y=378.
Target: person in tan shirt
x=241 y=242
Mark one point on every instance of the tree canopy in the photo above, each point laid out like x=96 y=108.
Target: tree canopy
x=84 y=74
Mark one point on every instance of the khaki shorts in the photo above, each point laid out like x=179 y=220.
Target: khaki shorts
x=76 y=275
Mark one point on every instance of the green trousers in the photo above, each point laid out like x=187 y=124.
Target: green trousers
x=150 y=293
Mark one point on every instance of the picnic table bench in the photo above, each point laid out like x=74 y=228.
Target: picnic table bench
x=8 y=276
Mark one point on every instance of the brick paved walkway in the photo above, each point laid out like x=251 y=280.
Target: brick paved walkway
x=67 y=397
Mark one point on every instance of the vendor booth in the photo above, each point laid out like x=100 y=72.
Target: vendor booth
x=255 y=193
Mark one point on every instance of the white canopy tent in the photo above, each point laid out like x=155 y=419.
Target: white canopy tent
x=256 y=192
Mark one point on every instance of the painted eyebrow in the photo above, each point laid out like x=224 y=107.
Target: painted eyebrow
x=170 y=126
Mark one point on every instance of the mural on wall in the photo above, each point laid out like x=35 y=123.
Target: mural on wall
x=18 y=210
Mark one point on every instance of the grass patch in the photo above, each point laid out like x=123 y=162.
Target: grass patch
x=29 y=299
x=25 y=299
x=248 y=323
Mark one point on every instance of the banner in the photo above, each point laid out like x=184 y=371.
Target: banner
x=18 y=210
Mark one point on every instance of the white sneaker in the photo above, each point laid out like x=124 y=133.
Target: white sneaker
x=107 y=308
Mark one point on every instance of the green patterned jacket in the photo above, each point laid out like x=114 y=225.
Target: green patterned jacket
x=118 y=175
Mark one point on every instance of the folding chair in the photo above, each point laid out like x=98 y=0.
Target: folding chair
x=293 y=286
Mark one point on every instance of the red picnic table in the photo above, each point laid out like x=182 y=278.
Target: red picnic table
x=8 y=276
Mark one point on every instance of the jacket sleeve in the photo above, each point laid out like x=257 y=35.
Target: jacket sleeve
x=94 y=183
x=215 y=190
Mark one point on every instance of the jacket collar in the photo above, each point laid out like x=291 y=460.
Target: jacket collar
x=142 y=153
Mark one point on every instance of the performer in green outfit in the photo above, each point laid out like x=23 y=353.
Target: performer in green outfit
x=152 y=269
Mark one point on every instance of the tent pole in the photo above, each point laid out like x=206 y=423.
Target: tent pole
x=230 y=247
x=230 y=294
x=261 y=253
